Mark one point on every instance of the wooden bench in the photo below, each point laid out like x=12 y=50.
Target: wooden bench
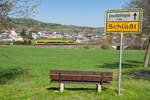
x=80 y=77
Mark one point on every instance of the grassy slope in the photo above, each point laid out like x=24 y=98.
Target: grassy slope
x=24 y=72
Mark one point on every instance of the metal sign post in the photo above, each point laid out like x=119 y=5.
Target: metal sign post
x=120 y=63
x=123 y=21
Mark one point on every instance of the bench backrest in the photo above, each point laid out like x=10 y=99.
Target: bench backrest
x=80 y=75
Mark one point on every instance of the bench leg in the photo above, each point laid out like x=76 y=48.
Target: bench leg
x=99 y=88
x=61 y=87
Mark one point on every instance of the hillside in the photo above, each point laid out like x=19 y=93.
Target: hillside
x=35 y=25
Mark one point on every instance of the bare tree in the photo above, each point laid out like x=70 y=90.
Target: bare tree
x=145 y=5
x=147 y=30
x=16 y=8
x=4 y=9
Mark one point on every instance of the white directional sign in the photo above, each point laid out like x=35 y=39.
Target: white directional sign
x=123 y=16
x=123 y=21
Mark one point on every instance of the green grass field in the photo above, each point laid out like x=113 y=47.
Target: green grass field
x=24 y=73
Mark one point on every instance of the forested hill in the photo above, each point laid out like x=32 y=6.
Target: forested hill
x=34 y=25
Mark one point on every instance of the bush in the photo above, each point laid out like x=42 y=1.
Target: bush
x=8 y=42
x=138 y=45
x=87 y=47
x=17 y=42
x=29 y=42
x=25 y=42
x=105 y=46
x=2 y=43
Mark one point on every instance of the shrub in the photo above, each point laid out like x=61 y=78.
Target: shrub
x=29 y=42
x=105 y=46
x=2 y=43
x=87 y=47
x=25 y=42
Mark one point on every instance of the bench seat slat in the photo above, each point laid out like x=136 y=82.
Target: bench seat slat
x=84 y=78
x=81 y=82
x=81 y=72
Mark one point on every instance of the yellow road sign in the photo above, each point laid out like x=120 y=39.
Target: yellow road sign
x=123 y=21
x=124 y=27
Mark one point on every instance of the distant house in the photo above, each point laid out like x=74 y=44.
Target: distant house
x=57 y=35
x=10 y=36
x=34 y=36
x=4 y=37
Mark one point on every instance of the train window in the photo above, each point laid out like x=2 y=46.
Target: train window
x=70 y=42
x=40 y=42
x=55 y=42
x=60 y=42
x=51 y=42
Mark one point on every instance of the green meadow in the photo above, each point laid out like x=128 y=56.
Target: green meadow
x=24 y=73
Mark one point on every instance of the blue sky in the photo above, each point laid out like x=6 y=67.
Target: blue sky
x=76 y=12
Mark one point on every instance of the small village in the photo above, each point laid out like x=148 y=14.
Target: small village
x=14 y=35
x=83 y=38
